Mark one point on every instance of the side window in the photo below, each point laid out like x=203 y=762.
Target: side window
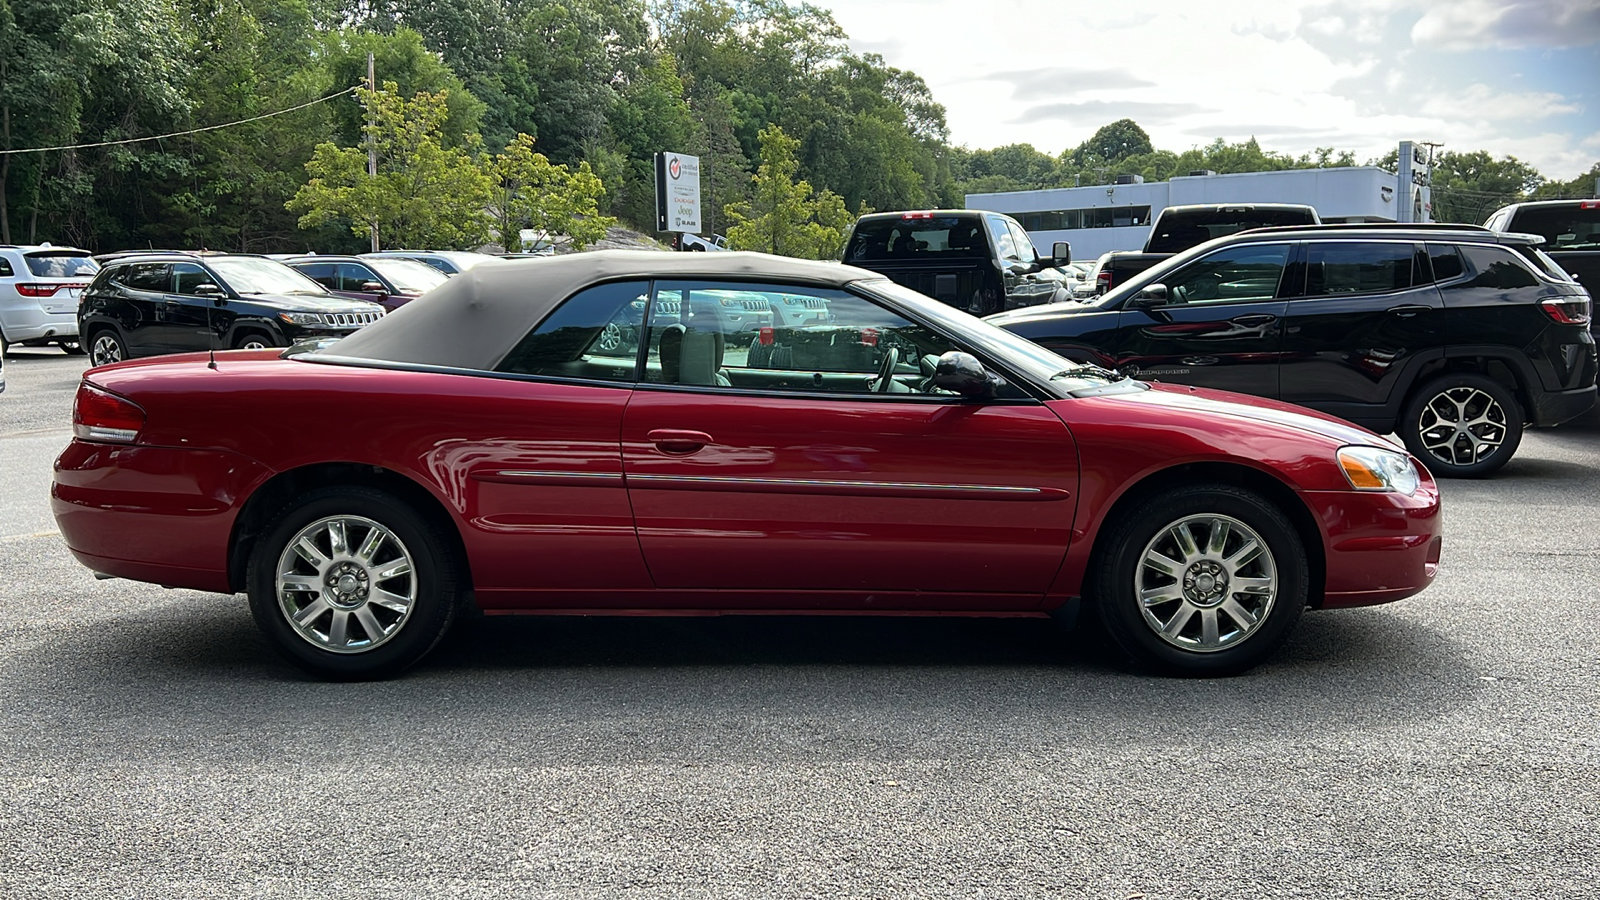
x=152 y=277
x=351 y=276
x=723 y=334
x=1004 y=243
x=1024 y=243
x=1236 y=274
x=1446 y=262
x=592 y=334
x=188 y=276
x=1496 y=267
x=321 y=273
x=5 y=268
x=1358 y=268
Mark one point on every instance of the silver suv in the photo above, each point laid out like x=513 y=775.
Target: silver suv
x=39 y=291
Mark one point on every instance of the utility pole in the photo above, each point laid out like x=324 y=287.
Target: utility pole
x=372 y=137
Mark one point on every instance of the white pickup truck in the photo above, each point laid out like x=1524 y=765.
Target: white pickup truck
x=695 y=242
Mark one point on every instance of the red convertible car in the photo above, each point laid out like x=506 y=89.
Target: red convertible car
x=485 y=445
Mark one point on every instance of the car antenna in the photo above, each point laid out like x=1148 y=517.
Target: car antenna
x=211 y=337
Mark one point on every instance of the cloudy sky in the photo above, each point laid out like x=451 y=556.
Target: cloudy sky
x=1507 y=76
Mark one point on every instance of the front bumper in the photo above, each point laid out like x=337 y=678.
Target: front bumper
x=1379 y=547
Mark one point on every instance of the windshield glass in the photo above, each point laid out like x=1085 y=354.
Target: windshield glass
x=409 y=277
x=1575 y=227
x=1019 y=353
x=913 y=237
x=61 y=265
x=250 y=275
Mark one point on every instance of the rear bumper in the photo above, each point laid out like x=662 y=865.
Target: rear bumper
x=156 y=514
x=1555 y=407
x=23 y=323
x=1379 y=547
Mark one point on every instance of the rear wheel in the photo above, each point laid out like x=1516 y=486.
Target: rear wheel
x=351 y=583
x=252 y=340
x=71 y=348
x=1204 y=581
x=105 y=347
x=1462 y=425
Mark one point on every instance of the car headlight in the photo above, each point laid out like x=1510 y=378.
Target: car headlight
x=1377 y=469
x=301 y=318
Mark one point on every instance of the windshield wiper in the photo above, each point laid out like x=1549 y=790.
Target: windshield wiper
x=1091 y=370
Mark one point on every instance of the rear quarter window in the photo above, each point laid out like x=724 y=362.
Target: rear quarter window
x=1497 y=267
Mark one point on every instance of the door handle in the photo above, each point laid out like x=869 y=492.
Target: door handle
x=1406 y=312
x=1253 y=320
x=672 y=440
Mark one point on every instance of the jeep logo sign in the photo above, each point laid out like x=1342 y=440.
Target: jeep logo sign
x=677 y=193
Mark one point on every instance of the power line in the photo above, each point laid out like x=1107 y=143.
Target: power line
x=158 y=137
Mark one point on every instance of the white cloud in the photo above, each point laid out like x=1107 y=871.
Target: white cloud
x=1483 y=101
x=1471 y=24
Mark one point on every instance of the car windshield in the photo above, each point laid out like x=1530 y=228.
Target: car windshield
x=1018 y=352
x=251 y=275
x=917 y=237
x=409 y=277
x=61 y=265
x=1575 y=227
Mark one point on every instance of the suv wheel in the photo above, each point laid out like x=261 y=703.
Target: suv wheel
x=71 y=348
x=252 y=340
x=1462 y=425
x=106 y=348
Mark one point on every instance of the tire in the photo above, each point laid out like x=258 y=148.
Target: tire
x=72 y=348
x=252 y=340
x=105 y=347
x=300 y=597
x=760 y=356
x=1194 y=624
x=1462 y=425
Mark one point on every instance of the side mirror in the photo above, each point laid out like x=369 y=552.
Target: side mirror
x=372 y=287
x=1062 y=252
x=207 y=289
x=1150 y=295
x=961 y=373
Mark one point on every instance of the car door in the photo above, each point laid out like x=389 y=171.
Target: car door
x=1220 y=324
x=1013 y=258
x=1367 y=309
x=143 y=315
x=355 y=281
x=190 y=318
x=827 y=472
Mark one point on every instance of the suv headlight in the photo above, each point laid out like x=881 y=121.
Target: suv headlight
x=1377 y=469
x=301 y=318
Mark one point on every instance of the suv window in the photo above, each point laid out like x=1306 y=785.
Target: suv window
x=321 y=273
x=188 y=276
x=579 y=338
x=1358 y=268
x=1496 y=267
x=5 y=268
x=353 y=275
x=147 y=277
x=1003 y=241
x=1236 y=274
x=1446 y=261
x=1024 y=243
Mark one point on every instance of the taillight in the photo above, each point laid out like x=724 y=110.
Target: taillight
x=1567 y=312
x=916 y=215
x=39 y=290
x=1102 y=281
x=99 y=415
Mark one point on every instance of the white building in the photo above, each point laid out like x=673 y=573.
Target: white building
x=1104 y=217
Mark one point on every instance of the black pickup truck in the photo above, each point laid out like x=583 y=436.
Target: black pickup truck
x=982 y=262
x=1177 y=228
x=1571 y=232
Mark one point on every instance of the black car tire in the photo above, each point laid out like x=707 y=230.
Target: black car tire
x=1429 y=425
x=430 y=580
x=106 y=347
x=71 y=348
x=253 y=340
x=760 y=356
x=1245 y=569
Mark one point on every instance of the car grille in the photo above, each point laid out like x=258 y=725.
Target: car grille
x=756 y=305
x=351 y=320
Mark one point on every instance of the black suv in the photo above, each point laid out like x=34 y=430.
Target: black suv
x=143 y=304
x=1452 y=336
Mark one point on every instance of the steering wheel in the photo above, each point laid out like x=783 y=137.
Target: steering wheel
x=885 y=380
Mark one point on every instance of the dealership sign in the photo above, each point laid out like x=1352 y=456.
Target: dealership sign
x=677 y=192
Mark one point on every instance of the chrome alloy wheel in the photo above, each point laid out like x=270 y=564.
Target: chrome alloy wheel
x=346 y=584
x=253 y=343
x=610 y=337
x=1206 y=582
x=106 y=350
x=1462 y=426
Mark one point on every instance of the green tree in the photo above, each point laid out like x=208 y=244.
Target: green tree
x=1584 y=186
x=424 y=195
x=1467 y=187
x=560 y=205
x=783 y=216
x=1113 y=143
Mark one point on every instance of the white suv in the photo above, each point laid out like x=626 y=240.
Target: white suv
x=39 y=290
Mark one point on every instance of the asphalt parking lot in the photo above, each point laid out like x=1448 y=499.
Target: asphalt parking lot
x=152 y=744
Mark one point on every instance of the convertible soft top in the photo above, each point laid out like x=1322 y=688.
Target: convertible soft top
x=476 y=317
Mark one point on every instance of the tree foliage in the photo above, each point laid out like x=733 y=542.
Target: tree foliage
x=559 y=205
x=784 y=215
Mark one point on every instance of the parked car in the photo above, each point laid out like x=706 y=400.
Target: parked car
x=388 y=282
x=982 y=262
x=477 y=448
x=1177 y=228
x=142 y=304
x=694 y=243
x=450 y=262
x=39 y=289
x=1451 y=336
x=1571 y=232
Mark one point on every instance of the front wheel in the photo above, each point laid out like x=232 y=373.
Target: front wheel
x=1462 y=425
x=252 y=340
x=1202 y=581
x=106 y=348
x=351 y=583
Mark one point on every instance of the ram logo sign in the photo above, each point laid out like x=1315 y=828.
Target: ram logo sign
x=677 y=192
